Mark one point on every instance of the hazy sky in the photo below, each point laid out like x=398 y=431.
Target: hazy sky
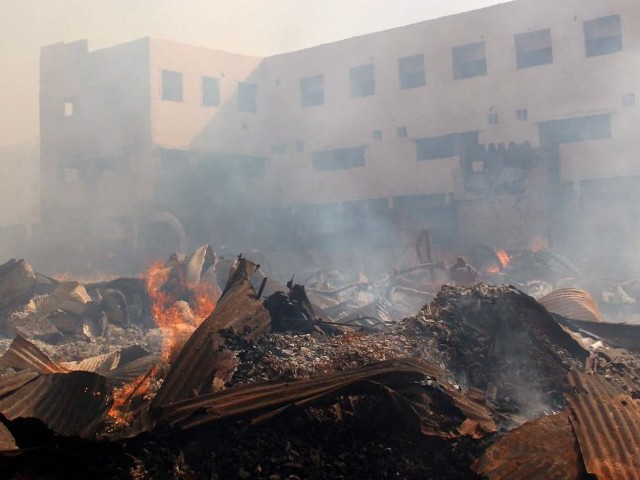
x=253 y=27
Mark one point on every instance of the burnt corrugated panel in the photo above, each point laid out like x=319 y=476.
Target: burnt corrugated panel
x=401 y=379
x=607 y=425
x=572 y=303
x=625 y=335
x=238 y=312
x=7 y=442
x=13 y=381
x=24 y=355
x=542 y=449
x=131 y=370
x=72 y=403
x=100 y=363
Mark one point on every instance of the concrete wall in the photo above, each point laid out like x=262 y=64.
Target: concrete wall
x=95 y=136
x=573 y=85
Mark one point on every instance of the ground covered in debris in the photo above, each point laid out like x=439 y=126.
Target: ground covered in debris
x=207 y=369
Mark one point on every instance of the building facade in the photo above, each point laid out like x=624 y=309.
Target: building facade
x=523 y=111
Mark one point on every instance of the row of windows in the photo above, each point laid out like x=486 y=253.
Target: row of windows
x=172 y=91
x=602 y=36
x=554 y=132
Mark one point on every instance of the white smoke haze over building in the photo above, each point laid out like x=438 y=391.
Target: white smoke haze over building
x=316 y=125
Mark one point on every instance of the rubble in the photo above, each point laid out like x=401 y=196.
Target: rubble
x=254 y=379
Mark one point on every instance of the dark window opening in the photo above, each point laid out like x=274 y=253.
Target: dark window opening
x=522 y=115
x=363 y=81
x=279 y=149
x=629 y=100
x=534 y=48
x=401 y=132
x=231 y=165
x=469 y=61
x=411 y=71
x=579 y=129
x=171 y=86
x=451 y=145
x=299 y=146
x=493 y=119
x=210 y=92
x=338 y=159
x=312 y=91
x=603 y=35
x=377 y=135
x=247 y=97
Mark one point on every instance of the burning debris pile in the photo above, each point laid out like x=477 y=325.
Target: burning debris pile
x=252 y=379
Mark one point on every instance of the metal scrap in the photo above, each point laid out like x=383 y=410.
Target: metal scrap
x=238 y=312
x=572 y=303
x=606 y=423
x=541 y=449
x=417 y=389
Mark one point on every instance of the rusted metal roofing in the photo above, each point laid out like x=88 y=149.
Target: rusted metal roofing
x=24 y=355
x=7 y=442
x=572 y=303
x=542 y=449
x=618 y=334
x=406 y=382
x=607 y=425
x=72 y=403
x=238 y=312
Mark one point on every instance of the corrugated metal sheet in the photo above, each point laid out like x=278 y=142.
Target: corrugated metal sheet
x=238 y=312
x=72 y=403
x=607 y=425
x=24 y=355
x=13 y=381
x=572 y=303
x=617 y=334
x=542 y=449
x=448 y=413
x=7 y=442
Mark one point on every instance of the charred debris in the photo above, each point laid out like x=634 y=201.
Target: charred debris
x=205 y=368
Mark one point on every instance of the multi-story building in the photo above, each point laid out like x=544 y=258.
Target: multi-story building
x=501 y=125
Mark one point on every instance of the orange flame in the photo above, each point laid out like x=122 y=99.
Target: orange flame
x=538 y=243
x=177 y=320
x=503 y=257
x=122 y=396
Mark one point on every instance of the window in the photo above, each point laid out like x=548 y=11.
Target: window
x=338 y=159
x=534 y=48
x=579 y=129
x=363 y=82
x=522 y=115
x=279 y=149
x=210 y=91
x=401 y=132
x=70 y=106
x=629 y=100
x=451 y=145
x=603 y=35
x=171 y=86
x=493 y=119
x=299 y=146
x=469 y=61
x=68 y=174
x=377 y=135
x=312 y=91
x=247 y=97
x=411 y=71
